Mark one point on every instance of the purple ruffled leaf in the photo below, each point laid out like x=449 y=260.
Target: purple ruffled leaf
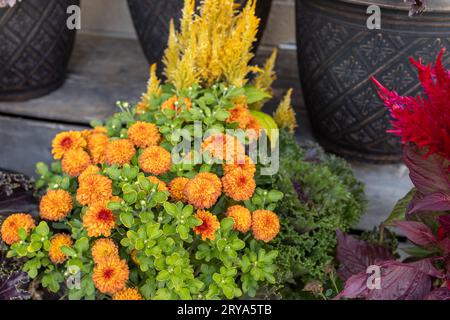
x=399 y=281
x=439 y=294
x=428 y=175
x=417 y=232
x=356 y=255
x=11 y=286
x=444 y=222
x=437 y=202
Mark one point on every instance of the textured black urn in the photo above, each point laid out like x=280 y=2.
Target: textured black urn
x=35 y=47
x=338 y=54
x=152 y=20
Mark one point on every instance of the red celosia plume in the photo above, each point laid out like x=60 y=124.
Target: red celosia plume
x=423 y=120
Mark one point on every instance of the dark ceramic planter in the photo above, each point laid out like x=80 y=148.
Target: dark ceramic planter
x=35 y=47
x=151 y=19
x=338 y=54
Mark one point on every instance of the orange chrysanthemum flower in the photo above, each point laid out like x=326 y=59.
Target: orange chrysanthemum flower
x=104 y=249
x=111 y=275
x=91 y=170
x=56 y=243
x=176 y=104
x=12 y=224
x=241 y=216
x=176 y=189
x=75 y=162
x=144 y=134
x=128 y=294
x=119 y=152
x=66 y=141
x=97 y=144
x=155 y=160
x=265 y=225
x=55 y=205
x=244 y=163
x=99 y=221
x=209 y=225
x=94 y=189
x=241 y=115
x=203 y=190
x=224 y=147
x=239 y=185
x=161 y=184
x=253 y=129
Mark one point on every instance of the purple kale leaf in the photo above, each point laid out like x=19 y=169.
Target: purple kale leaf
x=397 y=281
x=430 y=177
x=417 y=232
x=439 y=294
x=356 y=255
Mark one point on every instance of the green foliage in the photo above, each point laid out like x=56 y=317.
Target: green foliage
x=321 y=195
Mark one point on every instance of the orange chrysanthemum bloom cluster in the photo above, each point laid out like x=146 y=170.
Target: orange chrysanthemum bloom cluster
x=99 y=221
x=104 y=249
x=144 y=134
x=119 y=152
x=223 y=147
x=97 y=144
x=91 y=170
x=241 y=115
x=75 y=162
x=155 y=160
x=203 y=190
x=55 y=205
x=128 y=294
x=176 y=104
x=209 y=225
x=246 y=164
x=176 y=189
x=241 y=216
x=66 y=141
x=265 y=225
x=111 y=275
x=239 y=185
x=94 y=189
x=12 y=224
x=56 y=243
x=161 y=184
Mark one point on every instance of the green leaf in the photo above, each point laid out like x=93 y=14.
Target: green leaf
x=255 y=95
x=127 y=219
x=226 y=224
x=42 y=229
x=82 y=244
x=275 y=195
x=34 y=246
x=130 y=196
x=399 y=211
x=171 y=209
x=68 y=251
x=22 y=234
x=268 y=124
x=41 y=168
x=114 y=206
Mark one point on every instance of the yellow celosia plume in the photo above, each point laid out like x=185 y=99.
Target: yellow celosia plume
x=214 y=46
x=284 y=116
x=264 y=80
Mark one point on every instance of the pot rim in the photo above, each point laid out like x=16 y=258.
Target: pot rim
x=434 y=6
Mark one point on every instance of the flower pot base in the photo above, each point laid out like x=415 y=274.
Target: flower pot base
x=357 y=155
x=27 y=94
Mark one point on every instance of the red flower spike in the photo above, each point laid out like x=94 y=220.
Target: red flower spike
x=423 y=120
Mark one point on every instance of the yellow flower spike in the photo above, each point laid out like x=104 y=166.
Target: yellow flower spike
x=263 y=81
x=284 y=116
